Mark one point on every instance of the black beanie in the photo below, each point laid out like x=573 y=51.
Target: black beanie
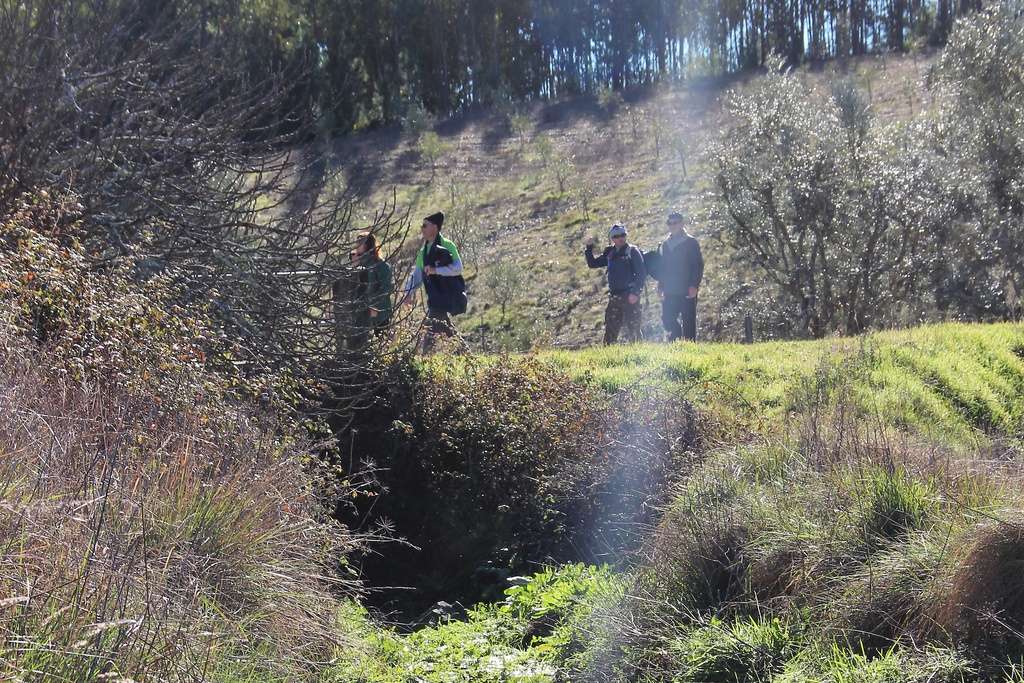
x=436 y=218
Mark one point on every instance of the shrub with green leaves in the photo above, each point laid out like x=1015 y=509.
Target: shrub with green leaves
x=492 y=464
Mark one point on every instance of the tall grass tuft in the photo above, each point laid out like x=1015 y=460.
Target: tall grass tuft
x=984 y=601
x=152 y=543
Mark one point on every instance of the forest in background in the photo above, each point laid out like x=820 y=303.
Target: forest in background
x=362 y=63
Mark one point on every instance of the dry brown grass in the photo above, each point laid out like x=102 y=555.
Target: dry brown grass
x=984 y=601
x=151 y=541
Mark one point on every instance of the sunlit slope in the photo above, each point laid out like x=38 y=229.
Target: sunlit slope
x=948 y=381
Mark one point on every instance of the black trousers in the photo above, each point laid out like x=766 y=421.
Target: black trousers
x=620 y=312
x=674 y=307
x=438 y=324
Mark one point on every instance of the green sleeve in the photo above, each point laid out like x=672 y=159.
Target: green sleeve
x=450 y=246
x=380 y=290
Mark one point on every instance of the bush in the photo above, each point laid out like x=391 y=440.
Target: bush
x=100 y=324
x=490 y=465
x=156 y=522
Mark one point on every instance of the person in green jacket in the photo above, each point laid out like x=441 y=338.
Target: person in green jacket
x=373 y=308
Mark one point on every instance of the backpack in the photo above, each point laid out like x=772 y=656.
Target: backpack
x=651 y=259
x=457 y=287
x=652 y=262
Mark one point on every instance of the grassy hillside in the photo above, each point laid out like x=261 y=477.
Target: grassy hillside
x=947 y=383
x=527 y=186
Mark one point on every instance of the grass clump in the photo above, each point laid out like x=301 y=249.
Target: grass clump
x=983 y=603
x=833 y=663
x=743 y=650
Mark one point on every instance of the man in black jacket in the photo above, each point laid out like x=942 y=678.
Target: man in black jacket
x=437 y=260
x=682 y=267
x=626 y=275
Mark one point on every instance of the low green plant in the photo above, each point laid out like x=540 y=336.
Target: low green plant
x=832 y=663
x=743 y=650
x=558 y=604
x=529 y=637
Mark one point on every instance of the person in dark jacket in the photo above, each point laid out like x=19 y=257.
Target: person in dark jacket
x=362 y=296
x=626 y=275
x=438 y=258
x=375 y=308
x=682 y=267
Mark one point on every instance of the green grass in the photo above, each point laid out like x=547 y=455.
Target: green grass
x=952 y=383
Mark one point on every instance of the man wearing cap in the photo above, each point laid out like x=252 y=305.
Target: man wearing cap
x=626 y=275
x=438 y=258
x=682 y=267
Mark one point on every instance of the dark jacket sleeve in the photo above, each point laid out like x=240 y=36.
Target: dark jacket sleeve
x=380 y=287
x=639 y=269
x=696 y=264
x=596 y=261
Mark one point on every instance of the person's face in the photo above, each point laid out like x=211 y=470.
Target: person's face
x=429 y=231
x=675 y=225
x=619 y=240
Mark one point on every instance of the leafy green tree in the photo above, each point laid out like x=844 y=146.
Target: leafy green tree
x=563 y=169
x=979 y=141
x=809 y=198
x=521 y=126
x=544 y=148
x=609 y=100
x=504 y=279
x=432 y=149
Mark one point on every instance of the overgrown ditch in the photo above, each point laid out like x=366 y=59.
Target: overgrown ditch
x=472 y=470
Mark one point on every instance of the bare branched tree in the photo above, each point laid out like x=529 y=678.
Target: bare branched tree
x=188 y=164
